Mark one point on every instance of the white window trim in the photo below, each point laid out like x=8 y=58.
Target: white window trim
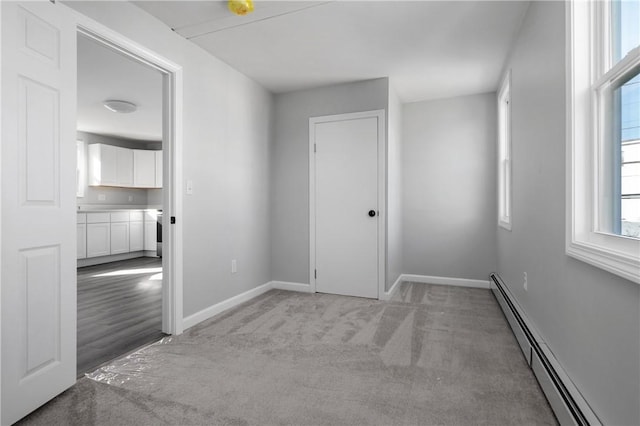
x=614 y=253
x=505 y=211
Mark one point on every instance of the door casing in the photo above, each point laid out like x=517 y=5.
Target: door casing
x=172 y=292
x=382 y=191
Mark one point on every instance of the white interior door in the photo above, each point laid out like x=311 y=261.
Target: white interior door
x=38 y=205
x=346 y=206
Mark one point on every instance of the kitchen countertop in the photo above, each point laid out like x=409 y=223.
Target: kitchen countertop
x=109 y=208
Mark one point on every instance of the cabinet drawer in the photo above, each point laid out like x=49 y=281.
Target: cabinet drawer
x=120 y=217
x=135 y=216
x=81 y=218
x=97 y=217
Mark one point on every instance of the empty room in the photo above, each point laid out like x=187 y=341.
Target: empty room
x=359 y=212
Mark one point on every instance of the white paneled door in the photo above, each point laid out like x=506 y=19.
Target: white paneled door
x=38 y=205
x=346 y=205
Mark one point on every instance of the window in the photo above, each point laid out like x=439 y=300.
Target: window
x=603 y=153
x=504 y=153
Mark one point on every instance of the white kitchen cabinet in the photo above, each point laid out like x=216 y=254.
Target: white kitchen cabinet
x=98 y=239
x=81 y=236
x=110 y=165
x=136 y=231
x=119 y=232
x=158 y=155
x=124 y=167
x=150 y=230
x=144 y=168
x=102 y=165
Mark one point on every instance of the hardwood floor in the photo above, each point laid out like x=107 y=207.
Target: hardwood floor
x=119 y=309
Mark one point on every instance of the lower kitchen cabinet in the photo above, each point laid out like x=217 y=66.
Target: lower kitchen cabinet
x=120 y=237
x=98 y=239
x=82 y=240
x=136 y=236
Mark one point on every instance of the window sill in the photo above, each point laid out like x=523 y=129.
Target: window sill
x=618 y=263
x=504 y=225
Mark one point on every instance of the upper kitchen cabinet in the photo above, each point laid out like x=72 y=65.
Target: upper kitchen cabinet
x=102 y=165
x=122 y=167
x=158 y=169
x=144 y=169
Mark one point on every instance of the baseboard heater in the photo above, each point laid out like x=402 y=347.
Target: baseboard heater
x=566 y=401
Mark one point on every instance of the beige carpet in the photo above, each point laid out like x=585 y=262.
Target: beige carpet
x=435 y=355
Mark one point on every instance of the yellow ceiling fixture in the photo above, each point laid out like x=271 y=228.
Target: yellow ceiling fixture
x=241 y=7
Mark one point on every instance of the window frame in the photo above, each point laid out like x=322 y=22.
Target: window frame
x=505 y=211
x=589 y=71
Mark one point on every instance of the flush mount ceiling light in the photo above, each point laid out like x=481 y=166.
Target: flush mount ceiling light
x=122 y=107
x=241 y=7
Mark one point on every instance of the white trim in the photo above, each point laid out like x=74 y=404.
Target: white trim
x=387 y=295
x=227 y=304
x=505 y=187
x=382 y=191
x=289 y=286
x=172 y=289
x=457 y=282
x=614 y=253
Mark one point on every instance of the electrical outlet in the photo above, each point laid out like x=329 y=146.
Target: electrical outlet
x=130 y=197
x=189 y=187
x=525 y=283
x=102 y=197
x=234 y=266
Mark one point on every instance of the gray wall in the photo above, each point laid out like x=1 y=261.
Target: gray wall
x=394 y=188
x=290 y=165
x=449 y=187
x=226 y=144
x=589 y=318
x=113 y=196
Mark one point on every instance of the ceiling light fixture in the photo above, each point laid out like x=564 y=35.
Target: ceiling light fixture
x=241 y=7
x=122 y=107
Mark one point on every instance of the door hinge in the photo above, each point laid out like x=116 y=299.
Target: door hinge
x=173 y=220
x=315 y=273
x=314 y=147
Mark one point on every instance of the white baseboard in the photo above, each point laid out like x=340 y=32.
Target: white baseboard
x=459 y=282
x=232 y=302
x=387 y=295
x=284 y=285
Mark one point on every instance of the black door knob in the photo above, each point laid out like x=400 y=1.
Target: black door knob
x=372 y=213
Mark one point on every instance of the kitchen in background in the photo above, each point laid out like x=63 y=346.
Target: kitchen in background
x=119 y=198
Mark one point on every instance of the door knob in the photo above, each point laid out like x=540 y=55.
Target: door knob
x=372 y=213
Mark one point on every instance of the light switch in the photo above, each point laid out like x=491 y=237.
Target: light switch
x=190 y=187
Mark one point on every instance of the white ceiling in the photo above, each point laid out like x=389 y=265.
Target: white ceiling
x=429 y=49
x=105 y=74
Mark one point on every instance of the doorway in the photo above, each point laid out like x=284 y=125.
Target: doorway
x=347 y=187
x=121 y=124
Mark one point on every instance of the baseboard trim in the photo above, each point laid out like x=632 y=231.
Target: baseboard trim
x=459 y=282
x=232 y=302
x=289 y=286
x=565 y=399
x=387 y=295
x=91 y=261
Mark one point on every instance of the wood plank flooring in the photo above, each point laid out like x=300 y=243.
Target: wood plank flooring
x=119 y=309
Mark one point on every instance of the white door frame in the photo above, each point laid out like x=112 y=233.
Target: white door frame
x=382 y=191
x=172 y=157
